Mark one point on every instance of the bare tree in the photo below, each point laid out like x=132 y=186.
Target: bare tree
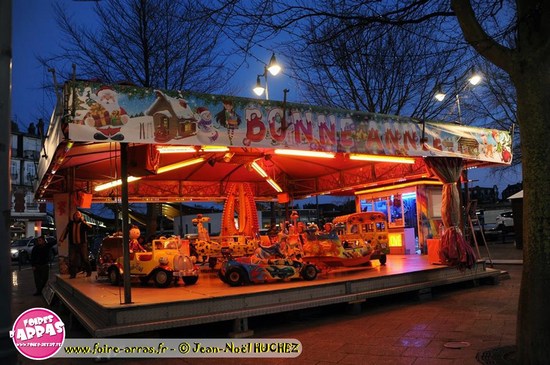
x=511 y=35
x=375 y=69
x=151 y=43
x=527 y=63
x=356 y=55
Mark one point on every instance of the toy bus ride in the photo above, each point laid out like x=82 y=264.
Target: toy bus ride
x=355 y=240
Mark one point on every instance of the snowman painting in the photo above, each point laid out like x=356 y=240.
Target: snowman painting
x=206 y=133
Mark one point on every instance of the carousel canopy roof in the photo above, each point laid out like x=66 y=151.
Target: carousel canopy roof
x=187 y=146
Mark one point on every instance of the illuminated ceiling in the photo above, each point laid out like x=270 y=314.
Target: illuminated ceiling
x=84 y=166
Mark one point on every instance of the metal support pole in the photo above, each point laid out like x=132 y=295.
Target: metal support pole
x=317 y=215
x=266 y=89
x=457 y=97
x=125 y=228
x=284 y=124
x=465 y=199
x=465 y=196
x=7 y=351
x=459 y=111
x=181 y=220
x=240 y=328
x=273 y=219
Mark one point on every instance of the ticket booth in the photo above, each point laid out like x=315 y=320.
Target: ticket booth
x=413 y=211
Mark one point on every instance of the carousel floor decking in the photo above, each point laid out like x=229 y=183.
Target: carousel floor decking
x=100 y=306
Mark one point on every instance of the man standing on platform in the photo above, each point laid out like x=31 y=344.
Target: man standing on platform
x=77 y=232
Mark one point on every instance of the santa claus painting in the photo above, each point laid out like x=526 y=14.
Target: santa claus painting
x=106 y=115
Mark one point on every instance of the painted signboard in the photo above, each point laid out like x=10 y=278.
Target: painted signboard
x=131 y=114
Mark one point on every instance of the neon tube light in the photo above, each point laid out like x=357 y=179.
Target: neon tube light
x=378 y=158
x=160 y=170
x=114 y=183
x=179 y=165
x=264 y=174
x=176 y=149
x=398 y=186
x=191 y=149
x=319 y=154
x=258 y=169
x=274 y=185
x=214 y=149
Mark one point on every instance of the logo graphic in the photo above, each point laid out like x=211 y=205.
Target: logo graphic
x=38 y=333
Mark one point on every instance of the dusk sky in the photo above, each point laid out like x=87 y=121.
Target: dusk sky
x=35 y=33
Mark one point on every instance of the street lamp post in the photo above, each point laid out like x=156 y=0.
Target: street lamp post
x=457 y=97
x=473 y=80
x=273 y=68
x=440 y=95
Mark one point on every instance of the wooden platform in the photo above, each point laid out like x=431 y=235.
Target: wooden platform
x=99 y=306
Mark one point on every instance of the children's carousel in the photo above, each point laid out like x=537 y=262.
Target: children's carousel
x=153 y=146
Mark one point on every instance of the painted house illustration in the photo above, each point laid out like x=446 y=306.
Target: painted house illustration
x=468 y=146
x=173 y=118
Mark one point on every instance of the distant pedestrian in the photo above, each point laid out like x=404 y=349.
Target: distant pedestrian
x=40 y=258
x=77 y=233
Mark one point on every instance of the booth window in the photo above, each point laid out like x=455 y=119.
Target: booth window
x=391 y=206
x=396 y=211
x=399 y=208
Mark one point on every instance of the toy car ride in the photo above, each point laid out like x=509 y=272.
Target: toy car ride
x=163 y=264
x=265 y=265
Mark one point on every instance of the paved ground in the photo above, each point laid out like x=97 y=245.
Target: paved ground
x=402 y=329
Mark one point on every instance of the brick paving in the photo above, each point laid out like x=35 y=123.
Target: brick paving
x=401 y=329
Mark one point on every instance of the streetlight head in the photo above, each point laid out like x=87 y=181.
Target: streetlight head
x=475 y=79
x=274 y=68
x=258 y=89
x=439 y=94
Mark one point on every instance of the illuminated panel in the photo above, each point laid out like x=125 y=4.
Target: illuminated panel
x=395 y=240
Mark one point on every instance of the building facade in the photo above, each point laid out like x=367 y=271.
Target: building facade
x=28 y=216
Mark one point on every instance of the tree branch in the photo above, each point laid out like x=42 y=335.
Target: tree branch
x=474 y=34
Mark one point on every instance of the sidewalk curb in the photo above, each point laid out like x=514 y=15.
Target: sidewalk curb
x=508 y=262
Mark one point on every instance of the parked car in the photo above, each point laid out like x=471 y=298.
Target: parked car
x=505 y=221
x=21 y=249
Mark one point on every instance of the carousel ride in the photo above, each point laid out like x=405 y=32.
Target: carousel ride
x=351 y=240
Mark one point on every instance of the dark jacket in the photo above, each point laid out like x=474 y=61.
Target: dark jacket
x=40 y=254
x=68 y=233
